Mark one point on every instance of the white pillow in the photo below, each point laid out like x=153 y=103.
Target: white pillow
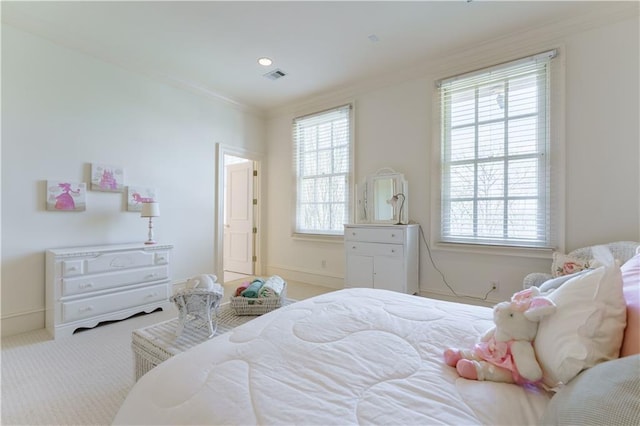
x=587 y=327
x=555 y=283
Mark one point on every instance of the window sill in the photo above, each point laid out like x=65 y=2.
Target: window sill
x=335 y=239
x=498 y=250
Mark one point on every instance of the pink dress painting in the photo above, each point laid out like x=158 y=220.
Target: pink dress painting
x=64 y=201
x=66 y=196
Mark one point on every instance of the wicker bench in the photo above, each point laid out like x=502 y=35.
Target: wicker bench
x=157 y=343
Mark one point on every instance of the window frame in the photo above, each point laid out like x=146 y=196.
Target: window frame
x=315 y=234
x=555 y=172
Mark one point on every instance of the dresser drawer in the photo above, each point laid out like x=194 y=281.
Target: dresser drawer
x=375 y=235
x=114 y=261
x=72 y=267
x=87 y=284
x=94 y=306
x=374 y=249
x=161 y=258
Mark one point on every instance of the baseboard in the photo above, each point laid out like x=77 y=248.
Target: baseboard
x=21 y=322
x=307 y=276
x=469 y=300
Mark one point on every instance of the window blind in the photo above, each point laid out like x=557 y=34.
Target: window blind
x=495 y=183
x=322 y=161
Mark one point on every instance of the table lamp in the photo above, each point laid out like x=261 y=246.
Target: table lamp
x=150 y=210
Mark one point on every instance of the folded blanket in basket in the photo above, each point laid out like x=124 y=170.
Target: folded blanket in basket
x=254 y=289
x=240 y=289
x=272 y=287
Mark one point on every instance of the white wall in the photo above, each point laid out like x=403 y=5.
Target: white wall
x=61 y=111
x=394 y=128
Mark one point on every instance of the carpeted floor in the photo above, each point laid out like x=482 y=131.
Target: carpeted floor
x=80 y=380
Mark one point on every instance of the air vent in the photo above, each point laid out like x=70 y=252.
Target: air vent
x=275 y=74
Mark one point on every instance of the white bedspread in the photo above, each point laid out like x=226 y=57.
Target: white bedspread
x=355 y=356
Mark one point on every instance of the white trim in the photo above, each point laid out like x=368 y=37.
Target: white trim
x=350 y=201
x=524 y=60
x=498 y=250
x=307 y=276
x=22 y=322
x=19 y=314
x=557 y=152
x=467 y=299
x=558 y=147
x=479 y=55
x=34 y=26
x=259 y=159
x=319 y=238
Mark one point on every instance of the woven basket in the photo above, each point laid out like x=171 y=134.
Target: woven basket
x=258 y=305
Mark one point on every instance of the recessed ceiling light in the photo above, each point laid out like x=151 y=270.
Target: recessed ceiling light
x=265 y=62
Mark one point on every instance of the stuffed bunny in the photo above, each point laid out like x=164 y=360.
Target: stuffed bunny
x=505 y=352
x=203 y=282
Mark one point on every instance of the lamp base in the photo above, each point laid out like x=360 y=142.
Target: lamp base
x=150 y=239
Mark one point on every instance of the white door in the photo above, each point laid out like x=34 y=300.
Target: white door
x=238 y=225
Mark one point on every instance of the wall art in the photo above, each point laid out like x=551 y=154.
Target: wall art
x=107 y=178
x=66 y=196
x=136 y=195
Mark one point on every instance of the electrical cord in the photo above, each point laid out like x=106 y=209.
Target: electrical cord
x=444 y=280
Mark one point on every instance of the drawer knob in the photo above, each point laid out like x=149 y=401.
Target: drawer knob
x=73 y=268
x=152 y=294
x=86 y=285
x=393 y=235
x=354 y=247
x=86 y=309
x=393 y=251
x=152 y=275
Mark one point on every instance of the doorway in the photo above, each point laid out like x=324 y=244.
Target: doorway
x=238 y=207
x=238 y=234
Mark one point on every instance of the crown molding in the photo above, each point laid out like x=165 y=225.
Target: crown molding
x=57 y=36
x=475 y=56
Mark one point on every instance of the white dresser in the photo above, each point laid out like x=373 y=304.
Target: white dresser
x=88 y=285
x=382 y=256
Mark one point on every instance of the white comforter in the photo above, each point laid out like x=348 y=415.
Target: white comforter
x=352 y=356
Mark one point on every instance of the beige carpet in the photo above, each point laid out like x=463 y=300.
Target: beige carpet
x=80 y=380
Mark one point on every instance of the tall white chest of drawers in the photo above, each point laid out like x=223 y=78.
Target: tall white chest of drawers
x=382 y=256
x=88 y=285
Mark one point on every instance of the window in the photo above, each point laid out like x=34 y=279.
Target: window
x=495 y=182
x=323 y=163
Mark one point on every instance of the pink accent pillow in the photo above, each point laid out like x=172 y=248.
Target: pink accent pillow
x=631 y=288
x=564 y=264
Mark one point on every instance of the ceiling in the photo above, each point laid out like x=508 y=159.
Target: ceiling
x=325 y=46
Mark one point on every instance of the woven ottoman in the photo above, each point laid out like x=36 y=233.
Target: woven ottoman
x=157 y=343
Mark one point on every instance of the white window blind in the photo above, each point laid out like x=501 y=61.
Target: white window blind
x=495 y=183
x=322 y=157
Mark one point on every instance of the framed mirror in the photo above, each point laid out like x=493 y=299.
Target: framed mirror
x=382 y=198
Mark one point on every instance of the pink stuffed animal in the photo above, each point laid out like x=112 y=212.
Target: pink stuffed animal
x=505 y=352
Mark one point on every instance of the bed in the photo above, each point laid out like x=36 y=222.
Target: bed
x=353 y=356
